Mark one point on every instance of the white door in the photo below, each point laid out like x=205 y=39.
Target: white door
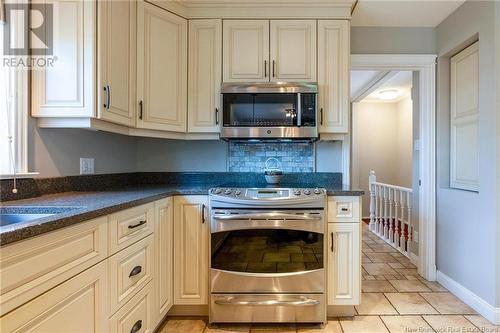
x=205 y=75
x=246 y=50
x=464 y=96
x=293 y=50
x=161 y=69
x=333 y=76
x=68 y=89
x=117 y=62
x=164 y=249
x=190 y=250
x=77 y=305
x=344 y=264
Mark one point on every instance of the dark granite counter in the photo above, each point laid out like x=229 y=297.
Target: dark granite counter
x=87 y=205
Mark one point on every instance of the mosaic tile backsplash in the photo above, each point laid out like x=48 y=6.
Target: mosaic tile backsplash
x=251 y=157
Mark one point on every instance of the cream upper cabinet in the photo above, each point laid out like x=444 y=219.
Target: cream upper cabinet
x=77 y=305
x=246 y=51
x=293 y=50
x=344 y=263
x=117 y=63
x=204 y=81
x=161 y=69
x=68 y=88
x=333 y=76
x=164 y=250
x=191 y=250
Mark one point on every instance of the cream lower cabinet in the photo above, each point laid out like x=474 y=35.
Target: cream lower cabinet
x=164 y=247
x=191 y=250
x=333 y=76
x=77 y=305
x=344 y=263
x=161 y=69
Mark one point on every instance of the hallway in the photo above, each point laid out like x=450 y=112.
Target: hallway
x=395 y=299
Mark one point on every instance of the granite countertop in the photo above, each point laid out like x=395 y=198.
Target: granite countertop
x=86 y=205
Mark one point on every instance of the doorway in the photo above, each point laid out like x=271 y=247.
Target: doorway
x=422 y=66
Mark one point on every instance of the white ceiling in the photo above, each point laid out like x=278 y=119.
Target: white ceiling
x=398 y=80
x=403 y=13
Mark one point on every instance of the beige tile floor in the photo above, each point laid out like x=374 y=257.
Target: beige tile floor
x=395 y=300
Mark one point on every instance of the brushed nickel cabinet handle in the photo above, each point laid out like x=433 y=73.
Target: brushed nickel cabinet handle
x=132 y=226
x=137 y=327
x=136 y=270
x=105 y=104
x=216 y=116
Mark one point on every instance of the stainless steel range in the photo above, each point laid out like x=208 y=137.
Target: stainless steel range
x=268 y=254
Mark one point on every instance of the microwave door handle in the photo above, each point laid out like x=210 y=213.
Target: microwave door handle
x=299 y=110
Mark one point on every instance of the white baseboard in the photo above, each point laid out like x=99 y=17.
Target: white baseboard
x=468 y=297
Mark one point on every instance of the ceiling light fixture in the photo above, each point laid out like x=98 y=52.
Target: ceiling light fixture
x=388 y=94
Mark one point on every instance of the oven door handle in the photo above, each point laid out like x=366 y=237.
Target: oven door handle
x=301 y=302
x=261 y=216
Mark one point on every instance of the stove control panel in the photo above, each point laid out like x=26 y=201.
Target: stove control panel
x=268 y=193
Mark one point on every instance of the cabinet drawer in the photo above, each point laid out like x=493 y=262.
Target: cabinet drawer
x=30 y=268
x=128 y=226
x=344 y=209
x=130 y=270
x=136 y=315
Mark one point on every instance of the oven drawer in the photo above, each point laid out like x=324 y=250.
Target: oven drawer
x=267 y=308
x=235 y=282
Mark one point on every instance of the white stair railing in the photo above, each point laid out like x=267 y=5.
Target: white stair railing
x=390 y=213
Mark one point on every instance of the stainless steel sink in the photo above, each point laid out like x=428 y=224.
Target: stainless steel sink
x=20 y=214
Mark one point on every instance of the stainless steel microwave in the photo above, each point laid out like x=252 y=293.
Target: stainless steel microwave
x=269 y=111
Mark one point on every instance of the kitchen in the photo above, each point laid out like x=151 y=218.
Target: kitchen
x=187 y=159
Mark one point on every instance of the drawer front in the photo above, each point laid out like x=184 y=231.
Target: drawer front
x=130 y=270
x=129 y=226
x=344 y=209
x=136 y=315
x=30 y=268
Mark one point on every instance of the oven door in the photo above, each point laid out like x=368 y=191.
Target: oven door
x=267 y=251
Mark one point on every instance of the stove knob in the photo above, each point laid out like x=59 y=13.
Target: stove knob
x=217 y=191
x=238 y=192
x=307 y=192
x=228 y=191
x=296 y=192
x=317 y=191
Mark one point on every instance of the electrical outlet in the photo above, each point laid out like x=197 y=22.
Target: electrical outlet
x=416 y=145
x=86 y=166
x=415 y=236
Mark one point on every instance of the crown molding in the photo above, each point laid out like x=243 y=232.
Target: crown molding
x=242 y=9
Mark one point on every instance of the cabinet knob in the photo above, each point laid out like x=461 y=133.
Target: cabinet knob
x=135 y=271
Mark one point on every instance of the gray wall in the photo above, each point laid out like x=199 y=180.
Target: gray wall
x=467 y=221
x=57 y=152
x=393 y=40
x=497 y=59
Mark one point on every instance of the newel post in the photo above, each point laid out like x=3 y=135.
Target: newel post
x=372 y=178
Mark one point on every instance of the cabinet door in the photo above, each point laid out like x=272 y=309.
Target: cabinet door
x=117 y=48
x=293 y=50
x=164 y=248
x=161 y=69
x=205 y=66
x=246 y=50
x=190 y=250
x=67 y=89
x=344 y=264
x=77 y=305
x=333 y=76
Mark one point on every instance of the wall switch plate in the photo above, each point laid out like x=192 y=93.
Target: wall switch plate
x=86 y=166
x=416 y=145
x=415 y=236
